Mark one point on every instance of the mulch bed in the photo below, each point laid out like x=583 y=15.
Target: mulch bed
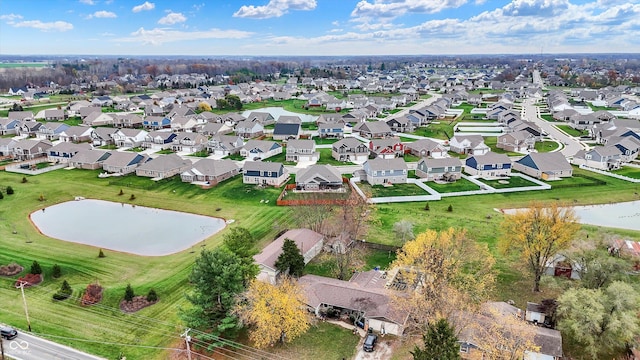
x=92 y=295
x=138 y=303
x=29 y=280
x=10 y=270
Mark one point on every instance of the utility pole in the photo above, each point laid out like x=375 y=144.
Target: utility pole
x=2 y=349
x=24 y=300
x=187 y=338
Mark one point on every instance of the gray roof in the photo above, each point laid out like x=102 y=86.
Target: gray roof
x=289 y=119
x=121 y=158
x=426 y=144
x=70 y=147
x=165 y=162
x=305 y=239
x=261 y=145
x=350 y=142
x=77 y=130
x=551 y=161
x=286 y=128
x=374 y=127
x=213 y=167
x=319 y=173
x=387 y=164
x=442 y=162
x=262 y=166
x=301 y=144
x=491 y=158
x=90 y=156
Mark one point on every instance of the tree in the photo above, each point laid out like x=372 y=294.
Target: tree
x=35 y=268
x=56 y=271
x=217 y=278
x=440 y=343
x=603 y=321
x=537 y=234
x=443 y=273
x=64 y=292
x=204 y=106
x=240 y=242
x=596 y=267
x=1 y=196
x=101 y=254
x=404 y=229
x=290 y=261
x=128 y=293
x=274 y=313
x=152 y=296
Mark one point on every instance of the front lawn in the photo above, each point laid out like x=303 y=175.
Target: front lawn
x=323 y=341
x=546 y=146
x=393 y=190
x=458 y=185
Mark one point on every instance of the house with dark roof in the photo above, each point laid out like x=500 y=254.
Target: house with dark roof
x=89 y=159
x=319 y=177
x=443 y=169
x=308 y=241
x=385 y=171
x=545 y=166
x=488 y=165
x=264 y=173
x=287 y=128
x=210 y=171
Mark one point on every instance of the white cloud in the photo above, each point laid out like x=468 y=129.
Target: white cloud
x=172 y=18
x=143 y=7
x=45 y=26
x=158 y=36
x=88 y=2
x=393 y=9
x=10 y=18
x=103 y=15
x=535 y=7
x=275 y=8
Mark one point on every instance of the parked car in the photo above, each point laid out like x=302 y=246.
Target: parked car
x=8 y=333
x=369 y=342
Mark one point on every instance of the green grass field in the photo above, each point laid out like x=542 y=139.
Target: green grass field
x=458 y=185
x=394 y=190
x=571 y=131
x=512 y=182
x=628 y=171
x=546 y=146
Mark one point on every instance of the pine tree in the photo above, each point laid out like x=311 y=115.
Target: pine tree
x=56 y=271
x=35 y=268
x=440 y=343
x=291 y=260
x=152 y=296
x=101 y=254
x=9 y=190
x=128 y=293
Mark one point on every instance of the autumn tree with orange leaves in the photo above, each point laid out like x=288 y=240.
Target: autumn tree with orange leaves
x=537 y=234
x=274 y=313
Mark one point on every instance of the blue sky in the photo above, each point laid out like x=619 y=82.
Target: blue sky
x=317 y=27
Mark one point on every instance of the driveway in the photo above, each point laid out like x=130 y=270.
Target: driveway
x=382 y=351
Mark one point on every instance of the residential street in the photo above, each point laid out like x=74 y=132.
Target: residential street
x=29 y=347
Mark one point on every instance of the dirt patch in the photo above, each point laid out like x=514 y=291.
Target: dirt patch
x=10 y=270
x=92 y=295
x=138 y=303
x=29 y=280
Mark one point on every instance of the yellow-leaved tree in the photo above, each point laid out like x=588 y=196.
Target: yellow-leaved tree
x=274 y=313
x=537 y=234
x=442 y=273
x=204 y=106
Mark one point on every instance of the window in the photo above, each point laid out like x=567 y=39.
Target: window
x=464 y=348
x=499 y=166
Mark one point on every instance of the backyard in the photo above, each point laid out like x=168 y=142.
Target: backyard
x=458 y=185
x=392 y=190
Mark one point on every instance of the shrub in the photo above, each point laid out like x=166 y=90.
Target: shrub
x=56 y=271
x=36 y=269
x=64 y=292
x=121 y=192
x=41 y=198
x=101 y=254
x=24 y=179
x=132 y=197
x=450 y=208
x=92 y=295
x=128 y=293
x=29 y=280
x=1 y=196
x=9 y=190
x=426 y=206
x=152 y=296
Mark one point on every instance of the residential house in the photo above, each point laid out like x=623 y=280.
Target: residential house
x=488 y=165
x=425 y=148
x=28 y=149
x=62 y=152
x=350 y=149
x=264 y=118
x=302 y=151
x=373 y=129
x=8 y=126
x=123 y=162
x=401 y=124
x=441 y=169
x=249 y=129
x=468 y=144
x=363 y=296
x=129 y=138
x=385 y=171
x=127 y=120
x=319 y=178
x=6 y=146
x=98 y=118
x=211 y=129
x=103 y=136
x=308 y=241
x=225 y=145
x=545 y=166
x=287 y=128
x=29 y=128
x=189 y=142
x=519 y=141
x=159 y=140
x=20 y=115
x=102 y=101
x=54 y=115
x=164 y=166
x=386 y=148
x=260 y=149
x=331 y=130
x=89 y=159
x=185 y=123
x=629 y=147
x=600 y=157
x=51 y=130
x=76 y=134
x=264 y=173
x=156 y=122
x=210 y=171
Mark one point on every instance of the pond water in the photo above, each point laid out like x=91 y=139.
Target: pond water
x=124 y=227
x=277 y=111
x=624 y=215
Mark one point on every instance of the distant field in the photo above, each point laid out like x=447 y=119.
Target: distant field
x=23 y=65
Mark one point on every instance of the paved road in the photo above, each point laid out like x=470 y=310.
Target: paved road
x=29 y=347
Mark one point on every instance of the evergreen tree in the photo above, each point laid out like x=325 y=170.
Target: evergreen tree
x=56 y=271
x=128 y=293
x=35 y=268
x=9 y=190
x=440 y=343
x=290 y=260
x=152 y=296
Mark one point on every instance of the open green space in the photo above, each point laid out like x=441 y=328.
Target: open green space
x=442 y=130
x=458 y=185
x=392 y=190
x=546 y=146
x=405 y=139
x=466 y=107
x=293 y=105
x=325 y=141
x=571 y=131
x=628 y=171
x=510 y=182
x=322 y=341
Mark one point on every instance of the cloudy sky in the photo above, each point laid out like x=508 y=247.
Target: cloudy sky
x=318 y=27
